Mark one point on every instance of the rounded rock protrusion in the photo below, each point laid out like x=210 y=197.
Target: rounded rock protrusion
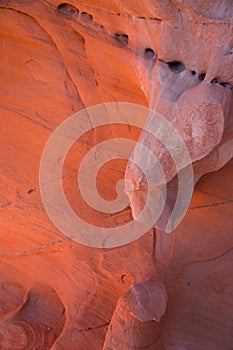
x=137 y=314
x=11 y=297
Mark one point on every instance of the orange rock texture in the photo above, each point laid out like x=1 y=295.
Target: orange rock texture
x=162 y=291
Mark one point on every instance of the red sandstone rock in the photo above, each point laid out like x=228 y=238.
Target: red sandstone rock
x=59 y=58
x=132 y=323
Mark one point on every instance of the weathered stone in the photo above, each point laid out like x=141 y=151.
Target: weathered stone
x=58 y=58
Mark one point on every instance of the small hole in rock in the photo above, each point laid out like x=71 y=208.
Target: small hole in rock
x=155 y=19
x=122 y=38
x=123 y=278
x=31 y=190
x=224 y=84
x=193 y=72
x=149 y=53
x=201 y=77
x=214 y=81
x=86 y=16
x=176 y=66
x=68 y=9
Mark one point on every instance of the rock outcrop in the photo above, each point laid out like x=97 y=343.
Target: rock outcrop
x=175 y=57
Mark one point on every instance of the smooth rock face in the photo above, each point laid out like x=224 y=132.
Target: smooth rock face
x=192 y=91
x=57 y=58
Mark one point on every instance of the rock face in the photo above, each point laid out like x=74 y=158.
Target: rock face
x=175 y=57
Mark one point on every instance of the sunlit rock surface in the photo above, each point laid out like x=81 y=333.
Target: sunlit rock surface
x=58 y=58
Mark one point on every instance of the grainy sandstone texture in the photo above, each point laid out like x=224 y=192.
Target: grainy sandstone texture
x=165 y=292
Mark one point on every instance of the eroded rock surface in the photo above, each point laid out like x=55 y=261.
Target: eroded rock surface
x=57 y=58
